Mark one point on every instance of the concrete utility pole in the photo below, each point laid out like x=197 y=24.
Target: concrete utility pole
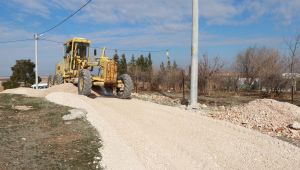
x=194 y=66
x=36 y=37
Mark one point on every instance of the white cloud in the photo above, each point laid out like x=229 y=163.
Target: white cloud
x=218 y=11
x=166 y=12
x=286 y=11
x=146 y=23
x=34 y=7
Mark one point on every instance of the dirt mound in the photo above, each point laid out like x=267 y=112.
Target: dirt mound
x=266 y=115
x=67 y=88
x=25 y=91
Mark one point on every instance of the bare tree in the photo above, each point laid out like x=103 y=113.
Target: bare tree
x=271 y=68
x=247 y=66
x=293 y=46
x=229 y=80
x=208 y=68
x=262 y=67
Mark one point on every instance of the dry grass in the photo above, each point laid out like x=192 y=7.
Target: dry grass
x=39 y=139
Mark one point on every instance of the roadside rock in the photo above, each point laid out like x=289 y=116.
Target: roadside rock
x=22 y=108
x=222 y=108
x=75 y=114
x=295 y=125
x=202 y=105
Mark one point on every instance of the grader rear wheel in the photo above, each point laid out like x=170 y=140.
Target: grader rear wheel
x=85 y=82
x=128 y=87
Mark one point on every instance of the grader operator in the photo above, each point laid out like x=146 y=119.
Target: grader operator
x=78 y=67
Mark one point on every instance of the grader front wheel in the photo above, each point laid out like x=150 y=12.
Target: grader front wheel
x=85 y=82
x=50 y=80
x=58 y=79
x=125 y=93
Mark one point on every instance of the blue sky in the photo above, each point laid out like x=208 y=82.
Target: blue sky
x=226 y=27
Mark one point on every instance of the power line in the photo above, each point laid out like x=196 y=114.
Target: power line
x=66 y=18
x=13 y=41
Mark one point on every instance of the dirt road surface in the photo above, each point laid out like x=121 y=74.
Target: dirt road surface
x=143 y=135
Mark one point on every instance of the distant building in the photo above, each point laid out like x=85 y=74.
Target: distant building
x=296 y=77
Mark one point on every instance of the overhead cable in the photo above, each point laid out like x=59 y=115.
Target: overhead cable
x=67 y=18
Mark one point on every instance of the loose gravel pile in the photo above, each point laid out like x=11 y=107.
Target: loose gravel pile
x=266 y=115
x=155 y=98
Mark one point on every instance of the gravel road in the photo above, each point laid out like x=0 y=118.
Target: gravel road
x=142 y=135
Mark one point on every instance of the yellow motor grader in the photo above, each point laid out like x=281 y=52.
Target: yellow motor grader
x=79 y=68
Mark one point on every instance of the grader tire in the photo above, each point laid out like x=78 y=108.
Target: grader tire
x=50 y=81
x=85 y=82
x=128 y=87
x=58 y=79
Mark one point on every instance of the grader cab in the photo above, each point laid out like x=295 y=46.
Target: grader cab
x=79 y=68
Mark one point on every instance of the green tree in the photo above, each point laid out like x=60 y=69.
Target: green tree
x=131 y=66
x=122 y=68
x=149 y=64
x=150 y=68
x=161 y=74
x=175 y=66
x=22 y=73
x=132 y=71
x=169 y=64
x=162 y=67
x=10 y=85
x=116 y=56
x=132 y=61
x=140 y=62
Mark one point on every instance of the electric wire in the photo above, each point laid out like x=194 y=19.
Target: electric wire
x=67 y=18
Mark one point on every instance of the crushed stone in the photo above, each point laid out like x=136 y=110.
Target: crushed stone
x=266 y=115
x=75 y=114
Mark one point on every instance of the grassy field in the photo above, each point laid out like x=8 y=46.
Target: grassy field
x=229 y=99
x=38 y=138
